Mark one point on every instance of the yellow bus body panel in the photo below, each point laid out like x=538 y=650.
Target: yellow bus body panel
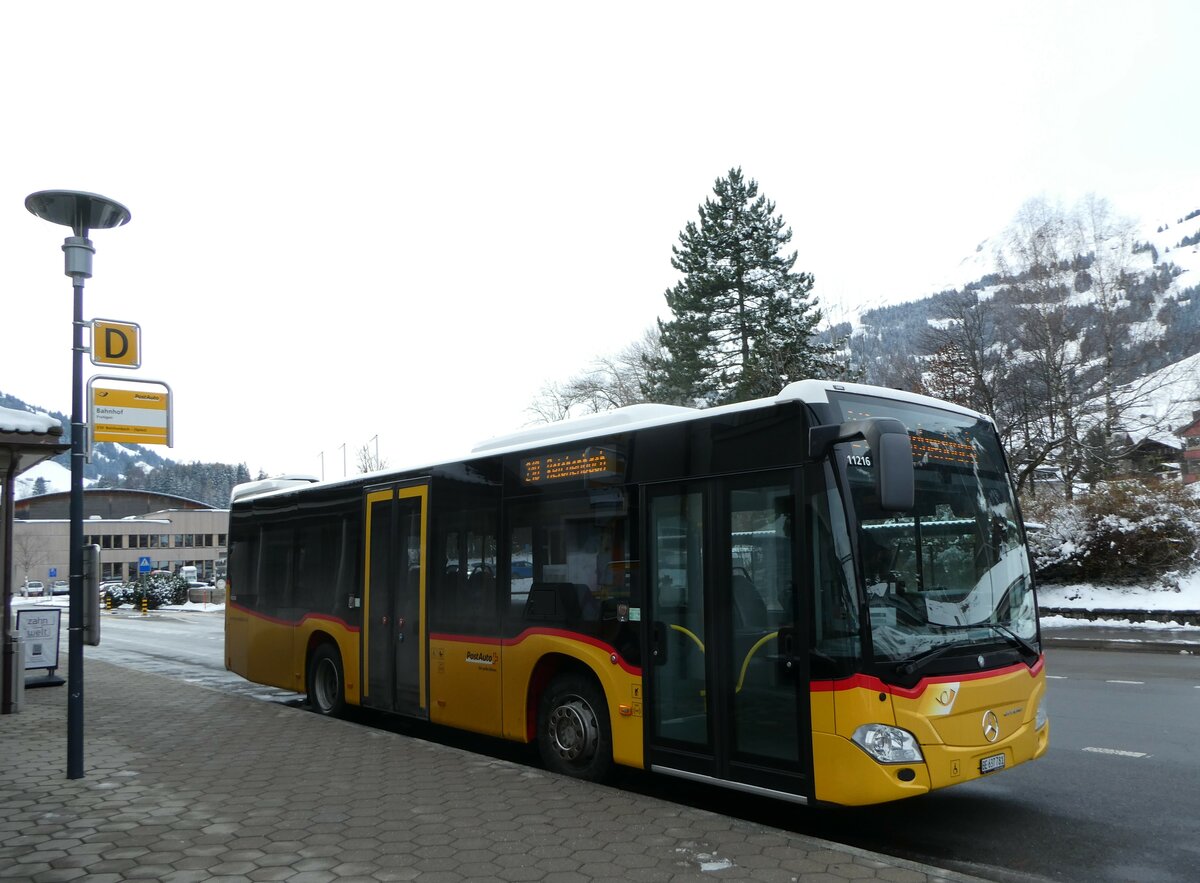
x=275 y=653
x=465 y=683
x=947 y=716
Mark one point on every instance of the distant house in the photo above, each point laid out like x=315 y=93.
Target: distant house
x=1157 y=456
x=1191 y=449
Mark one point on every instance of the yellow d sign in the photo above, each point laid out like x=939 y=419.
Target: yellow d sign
x=116 y=343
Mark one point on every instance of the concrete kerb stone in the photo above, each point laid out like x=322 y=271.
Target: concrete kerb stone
x=187 y=783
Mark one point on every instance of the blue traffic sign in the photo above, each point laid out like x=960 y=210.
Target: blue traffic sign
x=53 y=572
x=144 y=564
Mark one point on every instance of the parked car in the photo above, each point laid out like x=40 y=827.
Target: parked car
x=33 y=588
x=60 y=587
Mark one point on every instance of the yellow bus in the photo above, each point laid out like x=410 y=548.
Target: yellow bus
x=823 y=597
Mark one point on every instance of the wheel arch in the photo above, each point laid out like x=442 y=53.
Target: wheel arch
x=319 y=637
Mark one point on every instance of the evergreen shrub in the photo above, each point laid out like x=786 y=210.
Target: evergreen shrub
x=1122 y=532
x=159 y=590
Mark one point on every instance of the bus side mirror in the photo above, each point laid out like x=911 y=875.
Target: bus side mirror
x=891 y=452
x=894 y=478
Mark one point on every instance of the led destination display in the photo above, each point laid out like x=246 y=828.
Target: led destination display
x=593 y=463
x=941 y=449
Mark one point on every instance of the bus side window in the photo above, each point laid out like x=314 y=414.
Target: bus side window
x=243 y=579
x=571 y=563
x=465 y=585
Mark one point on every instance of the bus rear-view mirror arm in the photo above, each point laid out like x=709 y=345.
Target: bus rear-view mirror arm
x=890 y=456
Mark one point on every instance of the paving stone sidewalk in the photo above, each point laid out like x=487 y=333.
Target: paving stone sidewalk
x=184 y=783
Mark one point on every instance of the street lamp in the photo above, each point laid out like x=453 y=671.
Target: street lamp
x=81 y=212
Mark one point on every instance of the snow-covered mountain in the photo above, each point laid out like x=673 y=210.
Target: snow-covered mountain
x=127 y=466
x=54 y=477
x=1125 y=307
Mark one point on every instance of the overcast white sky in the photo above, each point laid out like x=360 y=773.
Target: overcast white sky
x=354 y=220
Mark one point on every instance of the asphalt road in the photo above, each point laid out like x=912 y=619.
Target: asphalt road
x=1115 y=799
x=188 y=646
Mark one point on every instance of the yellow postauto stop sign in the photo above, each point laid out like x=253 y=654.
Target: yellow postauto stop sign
x=116 y=343
x=127 y=415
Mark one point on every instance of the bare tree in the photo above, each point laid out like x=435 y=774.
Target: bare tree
x=1035 y=254
x=28 y=552
x=610 y=382
x=966 y=364
x=1067 y=398
x=366 y=460
x=1109 y=241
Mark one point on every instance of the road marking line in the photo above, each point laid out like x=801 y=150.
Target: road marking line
x=1117 y=751
x=1135 y=683
x=1058 y=678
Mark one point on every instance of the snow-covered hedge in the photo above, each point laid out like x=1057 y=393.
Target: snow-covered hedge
x=158 y=589
x=1123 y=531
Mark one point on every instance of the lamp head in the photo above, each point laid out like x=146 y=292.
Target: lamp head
x=78 y=210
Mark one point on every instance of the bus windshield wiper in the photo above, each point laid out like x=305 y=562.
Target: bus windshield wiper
x=1015 y=638
x=1004 y=630
x=917 y=663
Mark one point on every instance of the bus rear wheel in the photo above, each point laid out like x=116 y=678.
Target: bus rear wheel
x=325 y=693
x=573 y=730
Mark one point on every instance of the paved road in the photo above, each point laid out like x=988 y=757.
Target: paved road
x=188 y=646
x=1114 y=800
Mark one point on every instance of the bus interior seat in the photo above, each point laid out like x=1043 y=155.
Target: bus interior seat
x=554 y=601
x=480 y=591
x=749 y=609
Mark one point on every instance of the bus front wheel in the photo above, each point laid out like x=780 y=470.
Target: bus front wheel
x=325 y=693
x=573 y=731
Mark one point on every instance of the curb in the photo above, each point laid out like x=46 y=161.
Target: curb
x=1137 y=645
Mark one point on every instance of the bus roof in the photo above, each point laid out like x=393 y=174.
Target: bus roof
x=627 y=419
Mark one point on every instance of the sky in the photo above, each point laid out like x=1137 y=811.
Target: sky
x=393 y=224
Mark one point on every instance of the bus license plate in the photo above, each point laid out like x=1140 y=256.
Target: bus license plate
x=991 y=764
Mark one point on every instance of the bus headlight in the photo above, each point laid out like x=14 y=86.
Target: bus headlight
x=888 y=744
x=1042 y=715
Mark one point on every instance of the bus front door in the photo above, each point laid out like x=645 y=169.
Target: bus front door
x=724 y=674
x=394 y=568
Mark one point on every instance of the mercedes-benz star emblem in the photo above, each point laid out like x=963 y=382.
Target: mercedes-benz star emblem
x=991 y=726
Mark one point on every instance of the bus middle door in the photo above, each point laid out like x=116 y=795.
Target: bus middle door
x=394 y=609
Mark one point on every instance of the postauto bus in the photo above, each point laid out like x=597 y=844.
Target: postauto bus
x=823 y=596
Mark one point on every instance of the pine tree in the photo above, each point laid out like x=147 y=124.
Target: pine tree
x=744 y=322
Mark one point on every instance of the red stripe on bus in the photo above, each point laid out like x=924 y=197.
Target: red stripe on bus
x=291 y=623
x=634 y=670
x=868 y=682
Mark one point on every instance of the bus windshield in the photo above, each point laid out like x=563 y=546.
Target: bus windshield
x=953 y=572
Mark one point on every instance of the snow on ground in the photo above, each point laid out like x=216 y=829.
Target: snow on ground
x=63 y=602
x=1087 y=596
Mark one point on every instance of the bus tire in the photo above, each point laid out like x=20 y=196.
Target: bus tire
x=574 y=737
x=326 y=683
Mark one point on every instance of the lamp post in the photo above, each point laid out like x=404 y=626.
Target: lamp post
x=81 y=212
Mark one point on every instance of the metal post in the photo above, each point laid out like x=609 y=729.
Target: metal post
x=81 y=212
x=75 y=610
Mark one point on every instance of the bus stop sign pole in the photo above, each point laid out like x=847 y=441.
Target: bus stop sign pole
x=81 y=212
